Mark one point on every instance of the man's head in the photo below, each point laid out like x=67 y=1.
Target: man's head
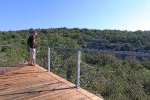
x=34 y=33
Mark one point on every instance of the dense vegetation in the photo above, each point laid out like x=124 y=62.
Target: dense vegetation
x=125 y=78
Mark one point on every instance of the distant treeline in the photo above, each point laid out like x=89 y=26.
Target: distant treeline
x=76 y=37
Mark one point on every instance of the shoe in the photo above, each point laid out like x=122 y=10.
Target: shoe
x=31 y=64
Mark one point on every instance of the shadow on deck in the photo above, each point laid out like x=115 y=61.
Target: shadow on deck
x=34 y=82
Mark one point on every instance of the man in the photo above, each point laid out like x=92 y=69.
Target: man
x=32 y=44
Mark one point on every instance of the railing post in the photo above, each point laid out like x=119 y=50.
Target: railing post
x=78 y=70
x=49 y=59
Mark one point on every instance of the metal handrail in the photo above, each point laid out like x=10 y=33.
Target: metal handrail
x=93 y=50
x=79 y=56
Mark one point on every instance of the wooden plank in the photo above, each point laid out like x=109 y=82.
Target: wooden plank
x=63 y=95
x=52 y=93
x=31 y=91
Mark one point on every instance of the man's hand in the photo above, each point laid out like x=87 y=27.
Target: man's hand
x=38 y=45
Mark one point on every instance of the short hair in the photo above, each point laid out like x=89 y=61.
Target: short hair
x=33 y=31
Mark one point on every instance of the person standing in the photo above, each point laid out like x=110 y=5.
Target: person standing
x=32 y=46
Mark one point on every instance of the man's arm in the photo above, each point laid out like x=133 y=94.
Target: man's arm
x=34 y=42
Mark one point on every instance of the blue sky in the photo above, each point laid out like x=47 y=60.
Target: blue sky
x=92 y=14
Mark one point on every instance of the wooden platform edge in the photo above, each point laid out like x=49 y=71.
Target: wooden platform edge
x=82 y=91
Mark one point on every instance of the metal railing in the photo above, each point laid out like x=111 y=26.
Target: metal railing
x=79 y=58
x=78 y=63
x=13 y=54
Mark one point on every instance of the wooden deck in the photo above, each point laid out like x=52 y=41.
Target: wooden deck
x=35 y=83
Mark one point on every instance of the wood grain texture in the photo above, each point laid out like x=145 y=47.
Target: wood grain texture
x=35 y=83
